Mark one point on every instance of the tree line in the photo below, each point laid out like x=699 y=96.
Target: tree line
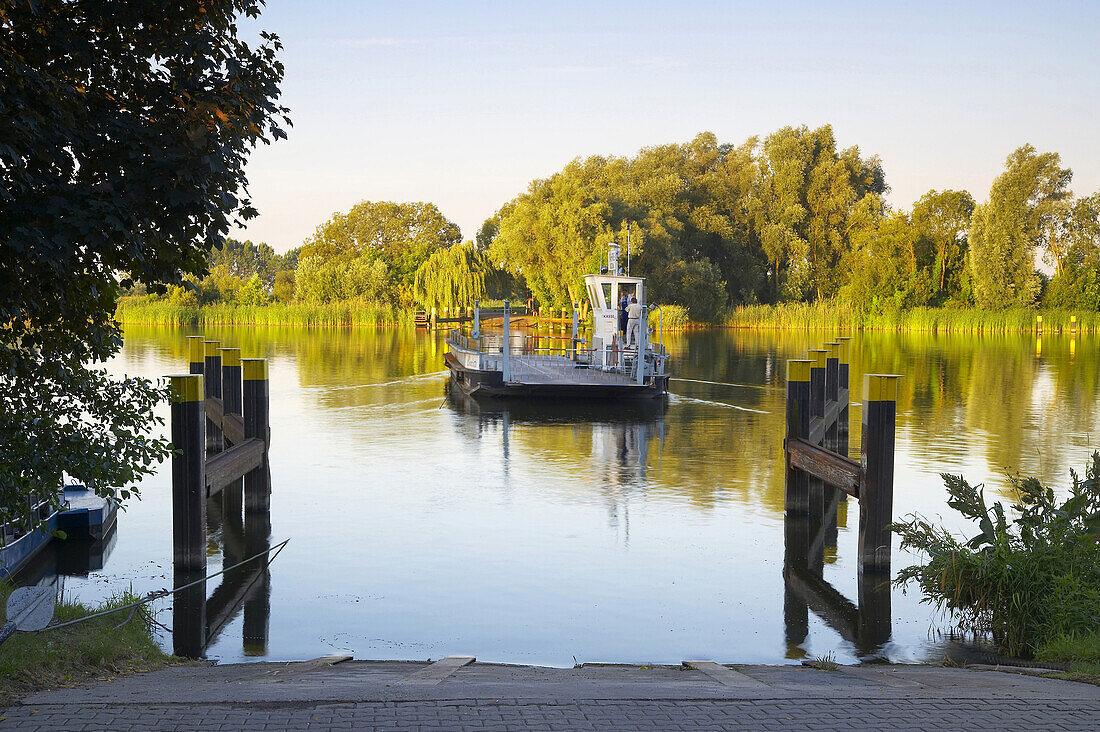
x=787 y=218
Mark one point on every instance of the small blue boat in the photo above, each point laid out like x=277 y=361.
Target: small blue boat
x=17 y=548
x=86 y=515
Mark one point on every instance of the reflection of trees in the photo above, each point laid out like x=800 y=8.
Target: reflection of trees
x=964 y=398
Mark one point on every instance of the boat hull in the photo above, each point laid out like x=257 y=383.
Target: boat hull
x=491 y=384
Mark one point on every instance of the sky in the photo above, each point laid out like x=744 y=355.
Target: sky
x=463 y=104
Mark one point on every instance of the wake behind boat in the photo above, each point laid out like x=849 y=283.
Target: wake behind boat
x=608 y=366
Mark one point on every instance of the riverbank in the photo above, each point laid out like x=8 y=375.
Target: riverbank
x=152 y=311
x=787 y=316
x=839 y=316
x=104 y=646
x=457 y=693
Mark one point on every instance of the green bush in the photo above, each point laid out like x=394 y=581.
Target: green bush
x=1027 y=581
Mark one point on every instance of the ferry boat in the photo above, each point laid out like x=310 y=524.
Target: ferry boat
x=608 y=365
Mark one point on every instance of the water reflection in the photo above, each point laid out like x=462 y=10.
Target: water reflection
x=425 y=524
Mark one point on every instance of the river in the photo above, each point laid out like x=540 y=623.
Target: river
x=422 y=525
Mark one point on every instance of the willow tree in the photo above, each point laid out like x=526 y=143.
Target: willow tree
x=454 y=277
x=1005 y=231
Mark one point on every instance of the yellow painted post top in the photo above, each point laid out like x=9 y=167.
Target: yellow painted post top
x=833 y=349
x=880 y=387
x=186 y=388
x=254 y=369
x=842 y=349
x=194 y=348
x=817 y=356
x=212 y=347
x=1039 y=318
x=231 y=356
x=798 y=369
x=1073 y=318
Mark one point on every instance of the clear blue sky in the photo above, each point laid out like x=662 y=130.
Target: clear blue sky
x=463 y=104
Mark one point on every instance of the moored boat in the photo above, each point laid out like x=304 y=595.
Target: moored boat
x=613 y=363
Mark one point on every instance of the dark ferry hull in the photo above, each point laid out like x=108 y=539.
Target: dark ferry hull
x=491 y=384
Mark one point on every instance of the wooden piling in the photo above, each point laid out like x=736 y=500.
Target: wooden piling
x=213 y=386
x=1073 y=325
x=876 y=495
x=843 y=361
x=188 y=473
x=1039 y=324
x=256 y=393
x=798 y=426
x=196 y=354
x=232 y=400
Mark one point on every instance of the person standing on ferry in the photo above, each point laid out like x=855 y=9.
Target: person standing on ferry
x=624 y=303
x=634 y=317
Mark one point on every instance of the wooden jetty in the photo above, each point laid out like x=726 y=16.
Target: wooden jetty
x=221 y=436
x=819 y=477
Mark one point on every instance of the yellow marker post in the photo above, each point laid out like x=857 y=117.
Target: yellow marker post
x=798 y=427
x=876 y=496
x=257 y=482
x=196 y=353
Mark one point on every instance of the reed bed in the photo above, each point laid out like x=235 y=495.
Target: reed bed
x=148 y=311
x=833 y=315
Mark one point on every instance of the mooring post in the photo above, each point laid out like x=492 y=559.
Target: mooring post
x=232 y=399
x=816 y=486
x=797 y=502
x=843 y=424
x=188 y=472
x=188 y=428
x=213 y=386
x=830 y=495
x=505 y=363
x=1039 y=324
x=196 y=353
x=256 y=392
x=1073 y=325
x=876 y=494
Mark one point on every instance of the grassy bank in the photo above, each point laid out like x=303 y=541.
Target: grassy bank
x=35 y=661
x=834 y=315
x=151 y=311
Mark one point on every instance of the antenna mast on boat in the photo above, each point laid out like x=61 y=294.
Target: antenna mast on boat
x=628 y=247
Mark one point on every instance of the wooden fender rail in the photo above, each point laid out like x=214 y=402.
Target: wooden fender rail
x=835 y=470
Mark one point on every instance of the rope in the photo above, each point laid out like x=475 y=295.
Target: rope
x=165 y=593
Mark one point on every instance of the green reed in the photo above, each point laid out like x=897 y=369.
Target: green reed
x=832 y=315
x=148 y=311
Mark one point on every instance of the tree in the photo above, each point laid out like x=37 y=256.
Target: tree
x=457 y=276
x=1077 y=282
x=1006 y=230
x=124 y=129
x=403 y=235
x=943 y=217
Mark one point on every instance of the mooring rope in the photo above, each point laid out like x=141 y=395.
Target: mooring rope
x=165 y=593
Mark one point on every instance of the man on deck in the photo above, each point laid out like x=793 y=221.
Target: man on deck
x=634 y=317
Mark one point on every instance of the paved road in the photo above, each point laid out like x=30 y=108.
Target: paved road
x=454 y=696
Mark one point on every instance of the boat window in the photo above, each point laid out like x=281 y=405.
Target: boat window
x=607 y=295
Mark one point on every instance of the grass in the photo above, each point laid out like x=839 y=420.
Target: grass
x=1080 y=650
x=151 y=311
x=824 y=663
x=831 y=315
x=104 y=646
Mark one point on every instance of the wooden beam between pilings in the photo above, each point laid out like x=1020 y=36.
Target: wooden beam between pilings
x=232 y=464
x=231 y=425
x=833 y=409
x=838 y=471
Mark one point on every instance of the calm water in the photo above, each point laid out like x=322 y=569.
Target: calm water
x=422 y=526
